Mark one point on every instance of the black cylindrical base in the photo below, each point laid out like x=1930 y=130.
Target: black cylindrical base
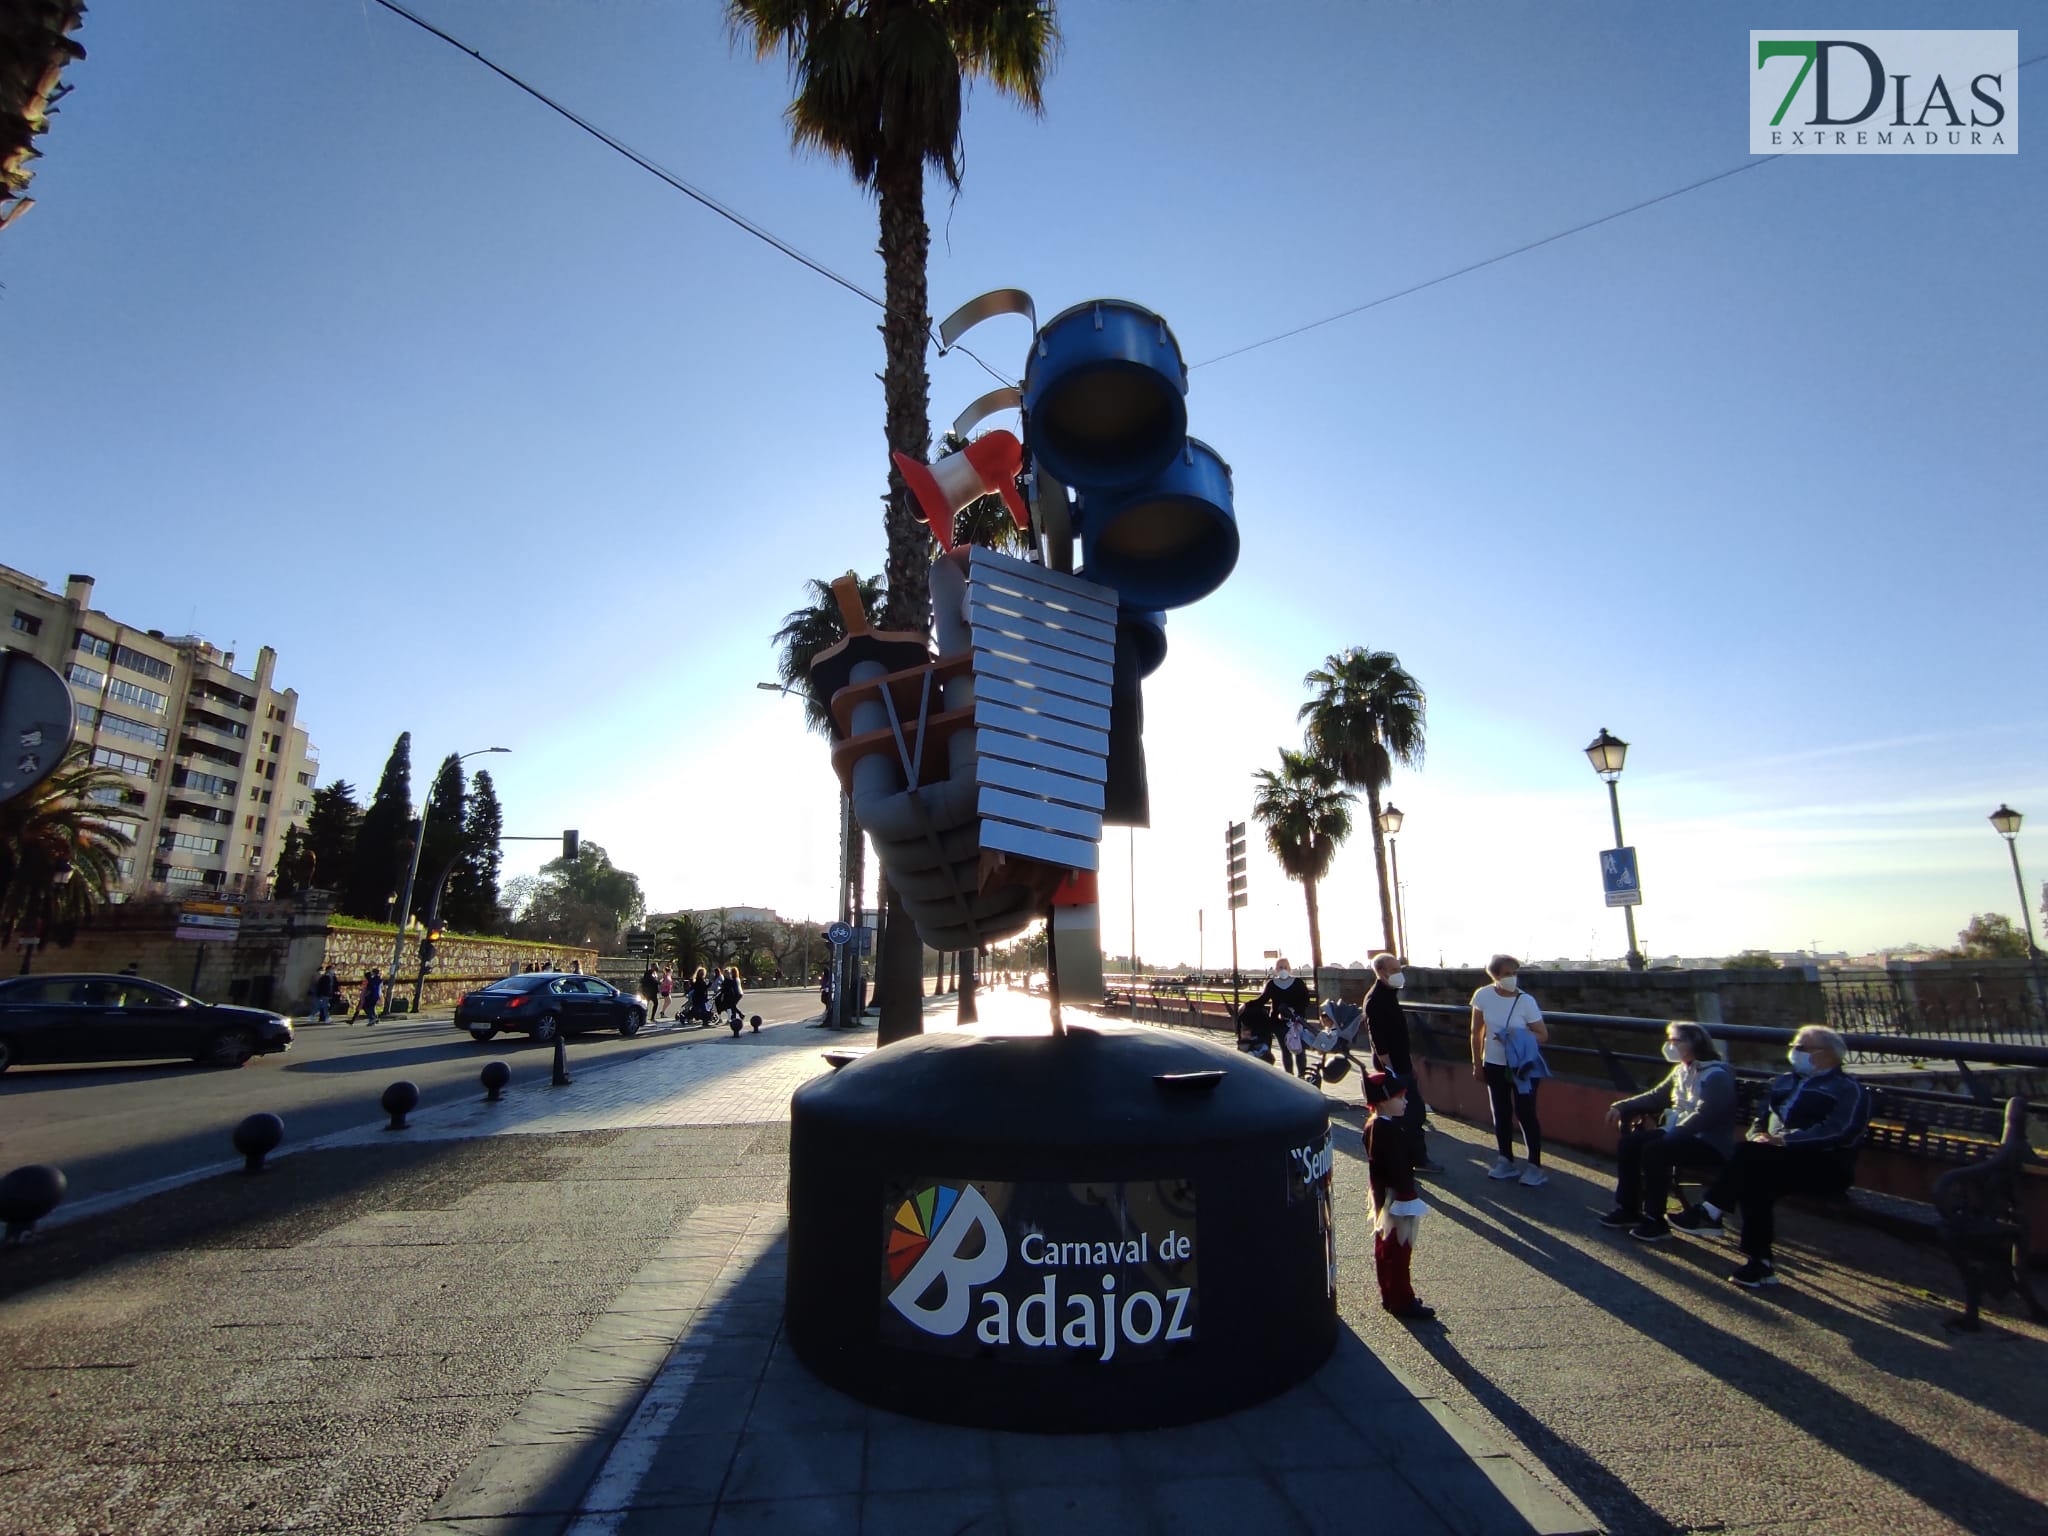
x=1118 y=1229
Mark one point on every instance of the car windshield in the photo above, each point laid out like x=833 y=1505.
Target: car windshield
x=517 y=984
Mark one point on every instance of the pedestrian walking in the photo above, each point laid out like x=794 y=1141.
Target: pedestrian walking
x=368 y=998
x=650 y=987
x=1387 y=1025
x=1397 y=1205
x=1507 y=1034
x=668 y=991
x=326 y=987
x=1292 y=1005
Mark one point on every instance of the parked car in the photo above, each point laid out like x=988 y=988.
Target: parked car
x=546 y=1003
x=75 y=1018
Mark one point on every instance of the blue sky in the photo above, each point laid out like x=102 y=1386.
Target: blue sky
x=336 y=342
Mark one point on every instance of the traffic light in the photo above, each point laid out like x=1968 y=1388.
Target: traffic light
x=569 y=846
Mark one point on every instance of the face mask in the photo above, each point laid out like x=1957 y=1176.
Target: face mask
x=1673 y=1051
x=1506 y=983
x=1398 y=980
x=1802 y=1062
x=1283 y=977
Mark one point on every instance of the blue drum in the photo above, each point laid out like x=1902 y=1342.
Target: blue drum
x=1145 y=633
x=1168 y=542
x=1105 y=395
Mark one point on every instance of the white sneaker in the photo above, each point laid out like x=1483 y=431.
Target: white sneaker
x=1534 y=1178
x=1503 y=1168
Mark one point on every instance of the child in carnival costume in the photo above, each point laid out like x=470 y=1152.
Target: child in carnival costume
x=1396 y=1204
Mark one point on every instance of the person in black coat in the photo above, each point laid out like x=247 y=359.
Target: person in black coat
x=1285 y=995
x=1387 y=1023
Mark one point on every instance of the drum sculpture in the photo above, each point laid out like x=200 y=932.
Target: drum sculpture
x=1104 y=1227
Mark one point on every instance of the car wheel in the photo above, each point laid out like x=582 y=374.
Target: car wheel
x=230 y=1048
x=483 y=1034
x=634 y=1021
x=544 y=1029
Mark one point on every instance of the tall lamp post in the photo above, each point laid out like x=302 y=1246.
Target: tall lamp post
x=412 y=873
x=2007 y=821
x=845 y=957
x=1607 y=753
x=1390 y=823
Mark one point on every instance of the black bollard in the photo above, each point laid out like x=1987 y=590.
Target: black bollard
x=27 y=1195
x=561 y=1077
x=495 y=1076
x=399 y=1099
x=256 y=1138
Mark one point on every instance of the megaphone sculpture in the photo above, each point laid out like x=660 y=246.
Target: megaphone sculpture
x=987 y=466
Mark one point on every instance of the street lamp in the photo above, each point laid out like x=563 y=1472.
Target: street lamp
x=2007 y=821
x=1607 y=753
x=1390 y=823
x=412 y=873
x=846 y=957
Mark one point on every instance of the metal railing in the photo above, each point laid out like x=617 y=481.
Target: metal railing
x=1982 y=1005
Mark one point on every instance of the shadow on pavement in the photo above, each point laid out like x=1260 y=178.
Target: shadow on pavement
x=1836 y=1419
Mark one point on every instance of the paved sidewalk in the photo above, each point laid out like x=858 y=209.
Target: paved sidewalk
x=562 y=1313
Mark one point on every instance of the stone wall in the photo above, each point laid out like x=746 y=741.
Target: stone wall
x=281 y=947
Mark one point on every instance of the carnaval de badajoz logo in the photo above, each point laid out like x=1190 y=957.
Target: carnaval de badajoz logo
x=1103 y=1272
x=1884 y=93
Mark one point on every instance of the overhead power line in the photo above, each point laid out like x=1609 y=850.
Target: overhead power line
x=653 y=168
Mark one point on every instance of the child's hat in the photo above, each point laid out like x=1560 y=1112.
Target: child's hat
x=1382 y=1086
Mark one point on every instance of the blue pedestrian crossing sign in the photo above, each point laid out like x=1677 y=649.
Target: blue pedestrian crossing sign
x=1619 y=879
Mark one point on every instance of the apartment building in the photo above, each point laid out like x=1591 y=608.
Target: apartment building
x=214 y=763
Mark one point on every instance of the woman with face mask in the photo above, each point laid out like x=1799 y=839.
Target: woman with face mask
x=1804 y=1143
x=1507 y=1028
x=1290 y=1003
x=1695 y=1128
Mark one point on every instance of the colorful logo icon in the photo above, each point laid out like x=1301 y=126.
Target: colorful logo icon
x=931 y=1284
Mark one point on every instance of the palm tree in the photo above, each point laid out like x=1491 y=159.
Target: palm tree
x=1367 y=715
x=60 y=857
x=1306 y=814
x=880 y=85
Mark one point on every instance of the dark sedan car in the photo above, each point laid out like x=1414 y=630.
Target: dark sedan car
x=546 y=1003
x=124 y=1018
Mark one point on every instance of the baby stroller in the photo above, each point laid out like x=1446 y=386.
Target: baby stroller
x=1255 y=1031
x=1327 y=1050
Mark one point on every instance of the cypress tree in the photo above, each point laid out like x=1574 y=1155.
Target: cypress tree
x=444 y=834
x=383 y=841
x=331 y=835
x=471 y=904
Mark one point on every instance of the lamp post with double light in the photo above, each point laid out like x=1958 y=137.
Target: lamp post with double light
x=845 y=957
x=412 y=873
x=1607 y=753
x=2007 y=821
x=1390 y=823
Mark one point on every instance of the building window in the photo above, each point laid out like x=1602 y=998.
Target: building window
x=212 y=784
x=92 y=645
x=134 y=730
x=148 y=666
x=191 y=842
x=107 y=757
x=85 y=677
x=305 y=781
x=266 y=797
x=27 y=623
x=126 y=867
x=262 y=822
x=127 y=829
x=177 y=874
x=270 y=770
x=142 y=698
